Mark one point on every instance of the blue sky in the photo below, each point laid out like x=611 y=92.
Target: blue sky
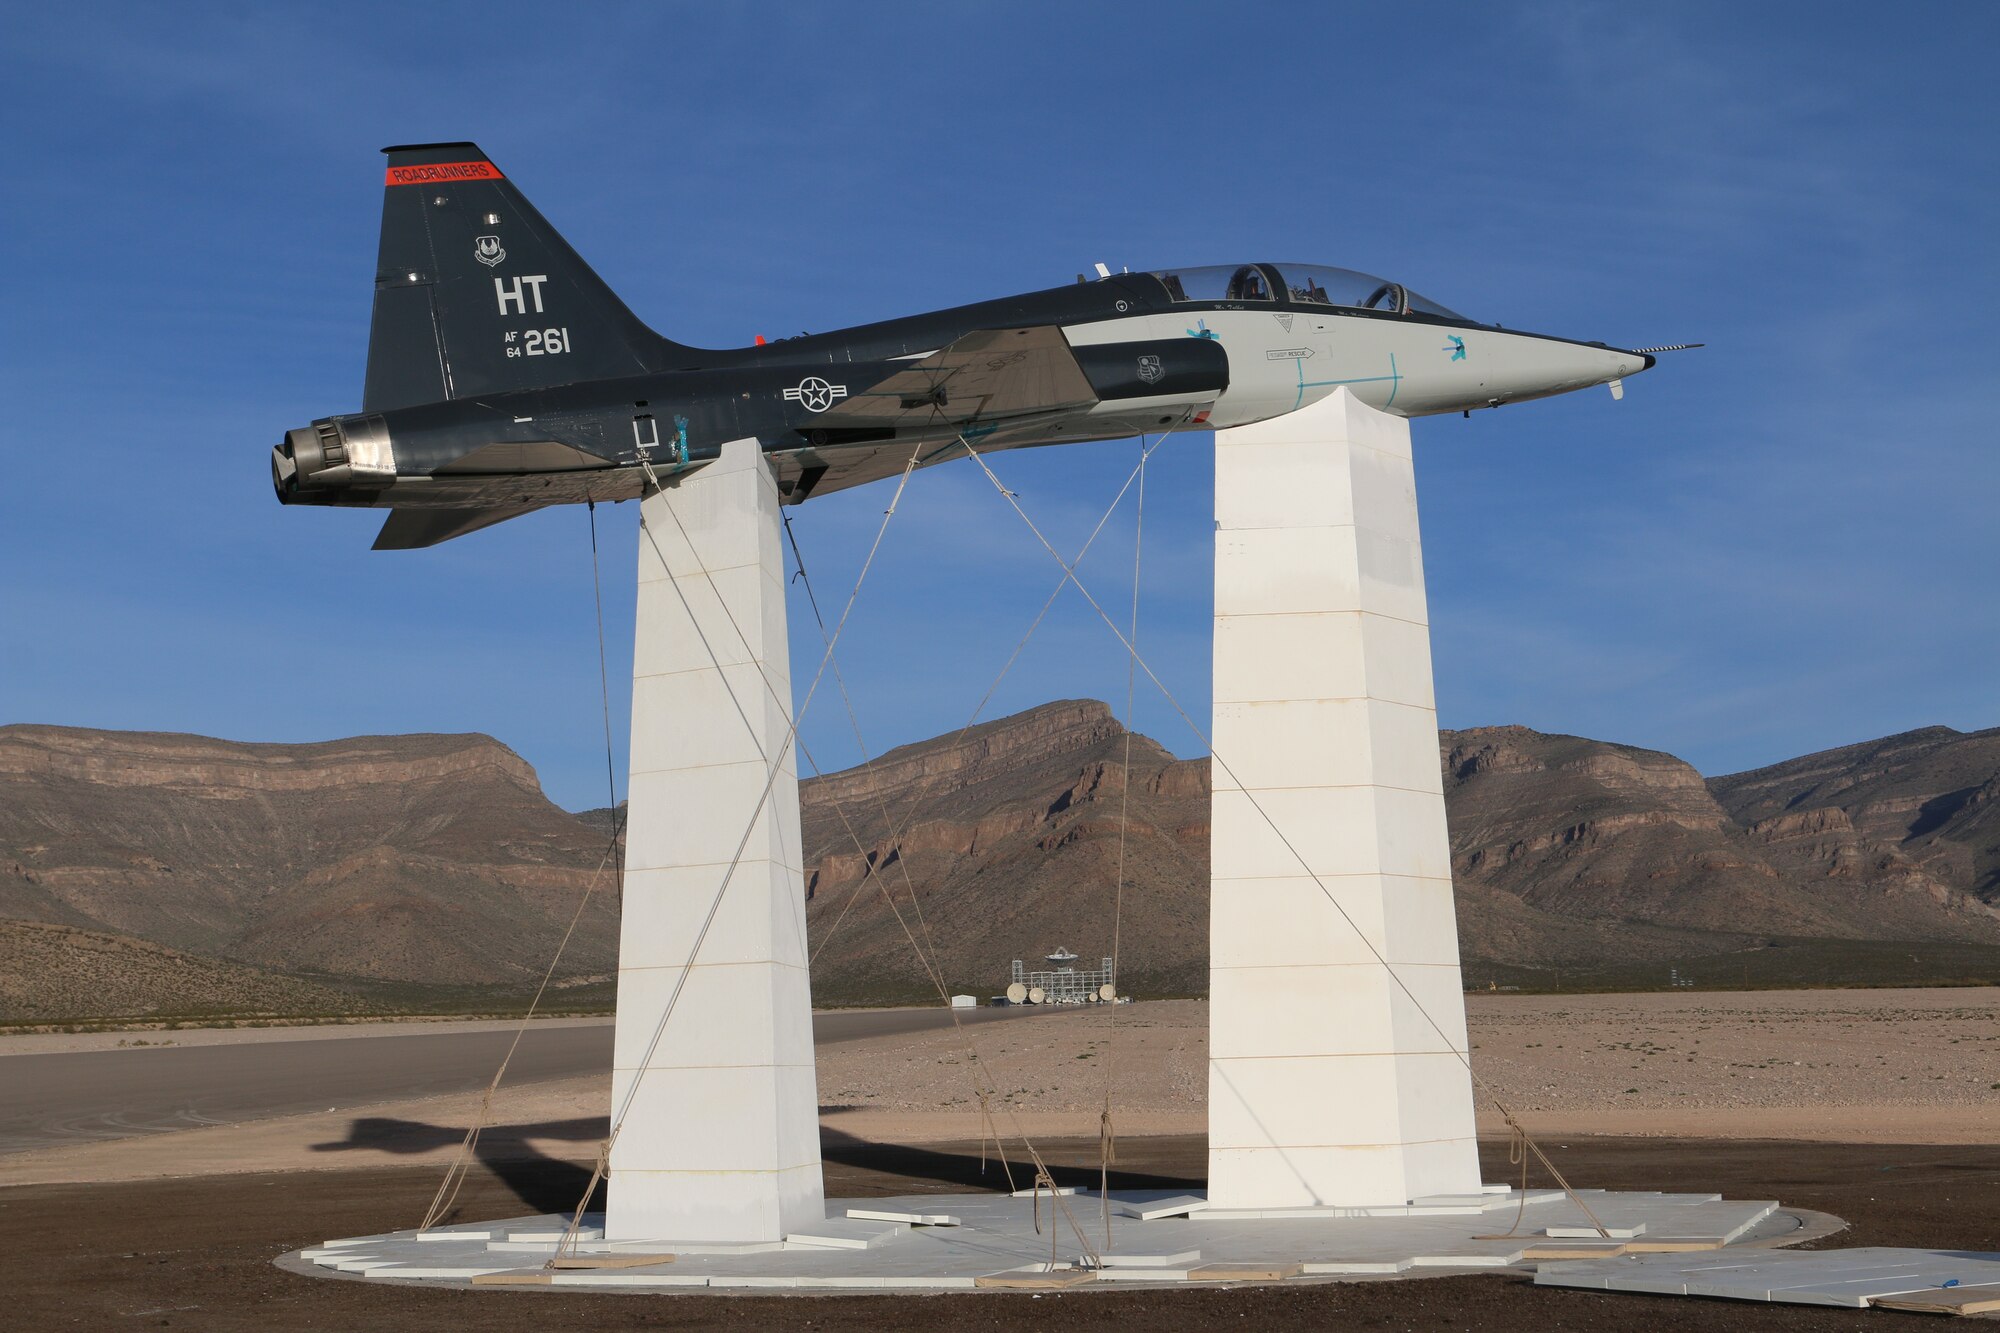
x=1783 y=542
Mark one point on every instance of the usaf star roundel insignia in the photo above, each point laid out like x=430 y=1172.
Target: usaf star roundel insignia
x=815 y=394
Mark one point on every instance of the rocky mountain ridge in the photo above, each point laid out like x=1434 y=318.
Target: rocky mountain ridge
x=1587 y=831
x=1567 y=852
x=1920 y=809
x=396 y=858
x=437 y=860
x=1009 y=839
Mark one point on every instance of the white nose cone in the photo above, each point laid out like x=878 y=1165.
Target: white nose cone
x=1521 y=367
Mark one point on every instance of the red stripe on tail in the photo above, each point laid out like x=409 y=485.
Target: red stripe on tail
x=443 y=173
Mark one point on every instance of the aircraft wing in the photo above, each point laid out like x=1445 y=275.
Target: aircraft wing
x=998 y=389
x=987 y=374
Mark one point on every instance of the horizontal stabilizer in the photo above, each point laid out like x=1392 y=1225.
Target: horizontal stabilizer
x=410 y=529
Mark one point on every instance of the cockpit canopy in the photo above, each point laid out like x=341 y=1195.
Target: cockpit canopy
x=1302 y=284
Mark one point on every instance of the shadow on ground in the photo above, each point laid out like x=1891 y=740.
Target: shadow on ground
x=195 y=1252
x=542 y=1181
x=546 y=1182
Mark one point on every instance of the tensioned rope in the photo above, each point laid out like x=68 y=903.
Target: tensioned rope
x=1106 y=1146
x=914 y=803
x=568 y=1241
x=1107 y=1140
x=988 y=1131
x=1042 y=1175
x=449 y=1189
x=928 y=962
x=983 y=1082
x=461 y=1163
x=832 y=663
x=455 y=1173
x=603 y=676
x=896 y=828
x=1216 y=759
x=827 y=660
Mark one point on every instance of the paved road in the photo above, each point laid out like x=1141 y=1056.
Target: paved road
x=80 y=1096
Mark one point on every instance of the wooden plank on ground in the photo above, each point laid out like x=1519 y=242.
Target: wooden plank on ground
x=1028 y=1279
x=1245 y=1272
x=1577 y=1249
x=1673 y=1244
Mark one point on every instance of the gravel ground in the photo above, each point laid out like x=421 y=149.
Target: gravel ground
x=136 y=1039
x=1880 y=1066
x=1915 y=1049
x=1853 y=1065
x=196 y=1254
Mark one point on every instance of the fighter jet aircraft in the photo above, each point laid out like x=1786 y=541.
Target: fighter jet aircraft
x=504 y=375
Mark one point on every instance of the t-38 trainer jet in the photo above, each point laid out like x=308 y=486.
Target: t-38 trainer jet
x=504 y=375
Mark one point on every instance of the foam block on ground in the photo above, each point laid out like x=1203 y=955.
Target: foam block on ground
x=913 y=1219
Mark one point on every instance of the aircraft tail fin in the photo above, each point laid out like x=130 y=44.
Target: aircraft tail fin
x=476 y=293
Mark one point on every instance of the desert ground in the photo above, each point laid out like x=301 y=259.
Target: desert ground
x=1857 y=1066
x=1879 y=1107
x=196 y=1253
x=82 y=1088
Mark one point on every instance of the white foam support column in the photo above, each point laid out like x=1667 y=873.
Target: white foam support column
x=720 y=1134
x=1328 y=1085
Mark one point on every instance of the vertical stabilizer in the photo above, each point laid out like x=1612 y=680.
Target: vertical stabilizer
x=476 y=293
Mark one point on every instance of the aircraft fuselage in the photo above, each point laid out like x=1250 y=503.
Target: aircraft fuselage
x=504 y=377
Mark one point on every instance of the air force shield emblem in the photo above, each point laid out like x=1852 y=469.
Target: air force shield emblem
x=1150 y=369
x=487 y=250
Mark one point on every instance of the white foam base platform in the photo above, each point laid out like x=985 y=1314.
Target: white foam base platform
x=993 y=1234
x=1855 y=1278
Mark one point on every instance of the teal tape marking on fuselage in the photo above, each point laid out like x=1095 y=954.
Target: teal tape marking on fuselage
x=1394 y=379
